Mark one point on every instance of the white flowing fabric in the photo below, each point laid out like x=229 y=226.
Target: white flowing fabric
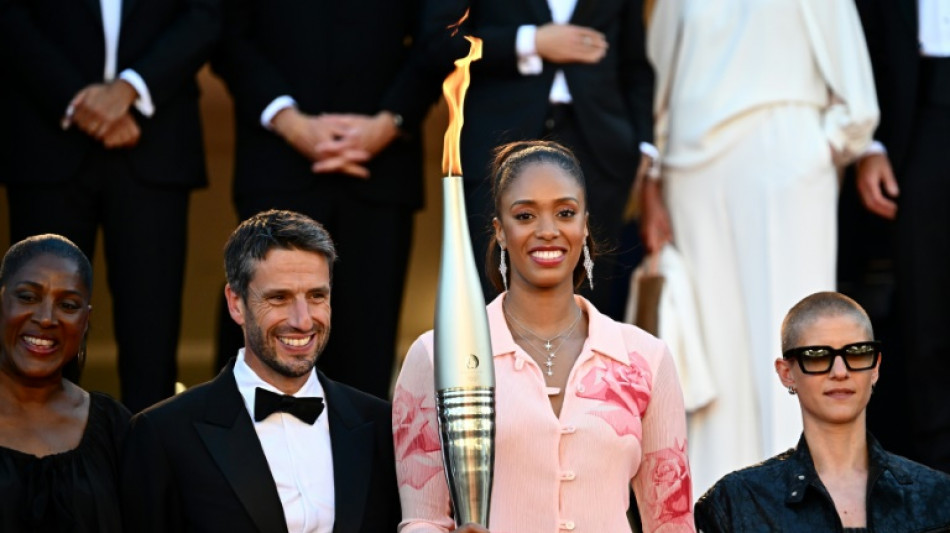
x=751 y=97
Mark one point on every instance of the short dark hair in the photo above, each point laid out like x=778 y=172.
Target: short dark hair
x=48 y=243
x=265 y=231
x=821 y=305
x=510 y=161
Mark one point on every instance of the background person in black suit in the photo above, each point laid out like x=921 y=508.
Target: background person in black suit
x=909 y=43
x=101 y=129
x=328 y=109
x=571 y=71
x=252 y=450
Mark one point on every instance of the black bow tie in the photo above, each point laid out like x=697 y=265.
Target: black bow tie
x=267 y=403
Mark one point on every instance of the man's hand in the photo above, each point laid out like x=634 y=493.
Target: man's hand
x=96 y=108
x=369 y=135
x=877 y=185
x=305 y=133
x=124 y=133
x=655 y=229
x=566 y=43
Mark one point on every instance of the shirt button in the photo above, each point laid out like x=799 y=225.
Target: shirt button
x=567 y=524
x=794 y=493
x=580 y=388
x=549 y=123
x=801 y=478
x=568 y=475
x=567 y=430
x=519 y=363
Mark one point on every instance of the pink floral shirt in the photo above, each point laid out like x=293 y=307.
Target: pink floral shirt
x=622 y=424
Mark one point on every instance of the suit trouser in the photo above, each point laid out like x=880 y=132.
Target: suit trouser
x=373 y=243
x=923 y=282
x=145 y=237
x=606 y=198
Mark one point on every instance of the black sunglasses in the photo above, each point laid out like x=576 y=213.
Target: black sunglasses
x=820 y=359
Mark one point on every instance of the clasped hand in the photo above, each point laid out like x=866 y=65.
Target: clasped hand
x=567 y=43
x=337 y=143
x=101 y=111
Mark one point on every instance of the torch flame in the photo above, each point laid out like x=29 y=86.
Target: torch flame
x=454 y=88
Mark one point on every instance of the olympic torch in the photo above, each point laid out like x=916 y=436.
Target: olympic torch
x=464 y=371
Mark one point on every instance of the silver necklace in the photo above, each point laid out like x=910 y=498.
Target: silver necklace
x=548 y=348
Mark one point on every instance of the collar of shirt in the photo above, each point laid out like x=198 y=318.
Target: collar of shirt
x=604 y=335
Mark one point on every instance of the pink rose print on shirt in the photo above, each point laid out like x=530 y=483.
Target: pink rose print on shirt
x=624 y=390
x=418 y=456
x=668 y=487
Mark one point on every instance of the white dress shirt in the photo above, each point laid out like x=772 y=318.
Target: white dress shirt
x=298 y=454
x=111 y=25
x=934 y=23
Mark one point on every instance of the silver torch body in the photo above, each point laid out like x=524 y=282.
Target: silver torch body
x=464 y=370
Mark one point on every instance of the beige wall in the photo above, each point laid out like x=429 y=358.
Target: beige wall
x=212 y=219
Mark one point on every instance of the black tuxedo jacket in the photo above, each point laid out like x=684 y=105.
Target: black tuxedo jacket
x=50 y=49
x=194 y=463
x=331 y=56
x=891 y=29
x=612 y=99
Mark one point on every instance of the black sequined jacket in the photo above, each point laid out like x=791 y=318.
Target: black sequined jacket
x=784 y=494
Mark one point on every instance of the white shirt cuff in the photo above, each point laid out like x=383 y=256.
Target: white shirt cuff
x=649 y=150
x=276 y=106
x=529 y=62
x=144 y=102
x=876 y=147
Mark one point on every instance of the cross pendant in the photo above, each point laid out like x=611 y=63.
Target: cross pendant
x=547 y=346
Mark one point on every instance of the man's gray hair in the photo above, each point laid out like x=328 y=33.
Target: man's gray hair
x=821 y=305
x=265 y=231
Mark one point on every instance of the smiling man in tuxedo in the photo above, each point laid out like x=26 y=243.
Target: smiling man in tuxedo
x=270 y=444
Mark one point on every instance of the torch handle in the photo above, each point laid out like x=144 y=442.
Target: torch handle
x=467 y=433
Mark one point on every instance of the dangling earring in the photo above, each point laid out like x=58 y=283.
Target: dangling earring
x=792 y=391
x=503 y=268
x=589 y=266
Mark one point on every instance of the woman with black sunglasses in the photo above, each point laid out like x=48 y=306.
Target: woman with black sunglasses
x=838 y=478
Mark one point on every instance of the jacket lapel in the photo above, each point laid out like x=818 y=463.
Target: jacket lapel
x=96 y=9
x=583 y=11
x=540 y=10
x=127 y=7
x=352 y=443
x=908 y=9
x=228 y=433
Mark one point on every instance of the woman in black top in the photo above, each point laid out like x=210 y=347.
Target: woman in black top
x=838 y=478
x=59 y=444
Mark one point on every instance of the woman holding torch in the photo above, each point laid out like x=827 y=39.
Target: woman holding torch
x=586 y=407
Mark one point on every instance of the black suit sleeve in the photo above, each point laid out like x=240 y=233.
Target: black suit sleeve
x=175 y=56
x=419 y=82
x=636 y=73
x=499 y=57
x=871 y=22
x=31 y=59
x=149 y=500
x=251 y=76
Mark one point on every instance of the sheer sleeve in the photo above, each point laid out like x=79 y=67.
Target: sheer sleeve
x=423 y=491
x=837 y=40
x=662 y=484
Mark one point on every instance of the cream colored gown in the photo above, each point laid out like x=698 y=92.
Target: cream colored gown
x=751 y=97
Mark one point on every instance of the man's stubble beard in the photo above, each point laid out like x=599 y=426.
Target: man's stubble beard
x=257 y=343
